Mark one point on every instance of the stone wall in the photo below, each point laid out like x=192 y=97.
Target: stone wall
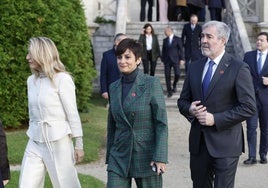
x=102 y=40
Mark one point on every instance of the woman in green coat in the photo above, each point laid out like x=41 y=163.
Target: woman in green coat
x=137 y=140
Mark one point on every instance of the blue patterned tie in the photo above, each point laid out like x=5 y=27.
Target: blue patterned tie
x=259 y=62
x=207 y=78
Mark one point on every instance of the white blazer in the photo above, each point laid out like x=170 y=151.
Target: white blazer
x=52 y=108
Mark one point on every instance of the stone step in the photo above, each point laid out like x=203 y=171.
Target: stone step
x=133 y=30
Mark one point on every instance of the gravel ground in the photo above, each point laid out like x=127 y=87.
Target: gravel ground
x=178 y=174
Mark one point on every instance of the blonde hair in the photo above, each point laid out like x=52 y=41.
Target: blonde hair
x=45 y=53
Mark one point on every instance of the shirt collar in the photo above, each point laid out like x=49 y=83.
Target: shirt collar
x=263 y=53
x=217 y=59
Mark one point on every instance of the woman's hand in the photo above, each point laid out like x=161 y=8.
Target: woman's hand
x=79 y=155
x=161 y=167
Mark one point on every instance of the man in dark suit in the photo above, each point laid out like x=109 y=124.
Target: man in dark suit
x=191 y=36
x=217 y=96
x=260 y=81
x=172 y=56
x=109 y=71
x=4 y=164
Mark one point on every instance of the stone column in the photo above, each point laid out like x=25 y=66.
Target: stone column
x=121 y=16
x=263 y=26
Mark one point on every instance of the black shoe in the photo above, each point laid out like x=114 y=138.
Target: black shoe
x=174 y=90
x=169 y=94
x=263 y=160
x=250 y=161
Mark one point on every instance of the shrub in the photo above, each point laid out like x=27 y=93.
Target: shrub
x=61 y=20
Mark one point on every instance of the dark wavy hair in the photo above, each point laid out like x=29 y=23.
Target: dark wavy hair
x=132 y=45
x=148 y=25
x=264 y=33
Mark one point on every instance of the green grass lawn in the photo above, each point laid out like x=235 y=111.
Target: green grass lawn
x=94 y=129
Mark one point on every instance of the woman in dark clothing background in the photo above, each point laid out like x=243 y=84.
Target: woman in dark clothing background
x=151 y=49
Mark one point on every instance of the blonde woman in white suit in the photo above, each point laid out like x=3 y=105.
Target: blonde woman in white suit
x=54 y=121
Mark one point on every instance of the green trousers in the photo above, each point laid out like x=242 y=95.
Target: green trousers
x=116 y=181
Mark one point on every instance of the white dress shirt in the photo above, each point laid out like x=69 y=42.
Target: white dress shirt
x=149 y=42
x=216 y=61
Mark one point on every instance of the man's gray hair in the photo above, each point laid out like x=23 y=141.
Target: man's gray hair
x=222 y=29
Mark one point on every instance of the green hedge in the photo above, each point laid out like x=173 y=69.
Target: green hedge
x=61 y=20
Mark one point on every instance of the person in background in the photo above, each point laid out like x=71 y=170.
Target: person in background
x=4 y=163
x=172 y=10
x=53 y=121
x=172 y=57
x=151 y=49
x=258 y=63
x=137 y=135
x=215 y=8
x=163 y=10
x=181 y=10
x=196 y=7
x=217 y=96
x=109 y=71
x=203 y=12
x=191 y=39
x=150 y=10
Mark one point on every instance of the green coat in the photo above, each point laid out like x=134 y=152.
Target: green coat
x=137 y=130
x=155 y=47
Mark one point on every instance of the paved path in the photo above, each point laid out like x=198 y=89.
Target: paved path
x=178 y=174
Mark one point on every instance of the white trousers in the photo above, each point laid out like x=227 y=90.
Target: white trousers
x=58 y=161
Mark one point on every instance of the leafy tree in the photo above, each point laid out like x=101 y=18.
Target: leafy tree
x=61 y=20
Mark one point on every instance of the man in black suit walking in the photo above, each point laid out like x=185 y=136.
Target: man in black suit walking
x=191 y=39
x=172 y=56
x=217 y=96
x=258 y=63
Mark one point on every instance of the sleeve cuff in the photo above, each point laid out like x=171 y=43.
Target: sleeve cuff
x=79 y=142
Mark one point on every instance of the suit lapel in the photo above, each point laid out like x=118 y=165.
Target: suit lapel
x=135 y=92
x=265 y=65
x=255 y=62
x=219 y=72
x=116 y=103
x=199 y=75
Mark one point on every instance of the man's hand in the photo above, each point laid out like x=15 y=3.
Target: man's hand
x=265 y=81
x=105 y=95
x=79 y=155
x=205 y=118
x=195 y=108
x=200 y=112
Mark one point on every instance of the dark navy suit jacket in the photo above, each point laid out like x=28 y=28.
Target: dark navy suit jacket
x=261 y=90
x=109 y=71
x=231 y=100
x=172 y=52
x=191 y=41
